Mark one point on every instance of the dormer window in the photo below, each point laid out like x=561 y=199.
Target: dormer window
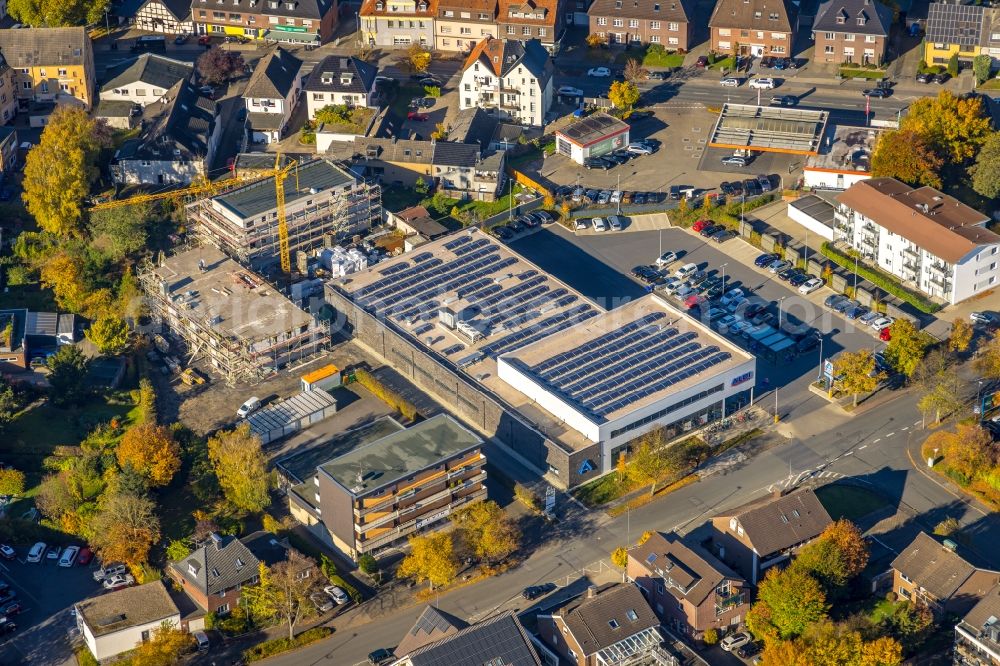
x=215 y=572
x=379 y=5
x=422 y=6
x=840 y=19
x=656 y=7
x=862 y=20
x=192 y=569
x=618 y=4
x=346 y=79
x=327 y=77
x=240 y=563
x=631 y=615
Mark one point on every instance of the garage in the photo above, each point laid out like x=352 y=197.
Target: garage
x=597 y=134
x=288 y=417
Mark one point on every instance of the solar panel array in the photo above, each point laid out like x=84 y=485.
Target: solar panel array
x=510 y=308
x=623 y=366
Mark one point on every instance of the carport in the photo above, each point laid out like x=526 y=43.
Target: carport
x=298 y=412
x=771 y=129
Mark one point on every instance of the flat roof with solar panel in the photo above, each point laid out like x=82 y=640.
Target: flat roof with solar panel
x=769 y=129
x=593 y=128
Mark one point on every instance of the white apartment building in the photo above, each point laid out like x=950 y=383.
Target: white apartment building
x=117 y=622
x=512 y=79
x=271 y=95
x=929 y=240
x=340 y=80
x=146 y=79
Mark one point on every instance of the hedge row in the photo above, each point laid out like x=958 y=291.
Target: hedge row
x=279 y=645
x=386 y=394
x=880 y=279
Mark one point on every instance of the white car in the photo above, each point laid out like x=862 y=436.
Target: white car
x=322 y=602
x=686 y=270
x=598 y=71
x=881 y=323
x=36 y=553
x=736 y=304
x=570 y=91
x=616 y=196
x=599 y=224
x=730 y=643
x=54 y=553
x=581 y=224
x=982 y=318
x=69 y=556
x=730 y=82
x=666 y=259
x=762 y=84
x=110 y=570
x=337 y=594
x=672 y=285
x=248 y=407
x=810 y=285
x=118 y=582
x=732 y=295
x=685 y=291
x=725 y=322
x=639 y=149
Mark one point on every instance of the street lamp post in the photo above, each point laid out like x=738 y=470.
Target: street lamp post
x=855 y=276
x=723 y=267
x=979 y=400
x=779 y=309
x=819 y=370
x=618 y=191
x=776 y=404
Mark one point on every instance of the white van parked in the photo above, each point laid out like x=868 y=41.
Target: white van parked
x=69 y=556
x=36 y=553
x=248 y=407
x=686 y=270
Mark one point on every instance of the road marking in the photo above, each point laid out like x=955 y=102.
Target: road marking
x=877 y=440
x=890 y=434
x=916 y=423
x=904 y=428
x=849 y=453
x=863 y=446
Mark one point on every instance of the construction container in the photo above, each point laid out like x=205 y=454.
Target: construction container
x=321 y=379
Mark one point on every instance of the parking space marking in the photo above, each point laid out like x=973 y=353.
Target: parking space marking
x=890 y=434
x=863 y=446
x=877 y=440
x=905 y=428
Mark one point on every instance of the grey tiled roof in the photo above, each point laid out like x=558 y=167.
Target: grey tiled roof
x=501 y=638
x=590 y=619
x=448 y=153
x=755 y=15
x=432 y=625
x=689 y=571
x=986 y=609
x=394 y=150
x=129 y=607
x=44 y=46
x=308 y=9
x=113 y=108
x=176 y=122
x=933 y=567
x=221 y=563
x=330 y=69
x=473 y=125
x=876 y=17
x=274 y=75
x=150 y=68
x=775 y=523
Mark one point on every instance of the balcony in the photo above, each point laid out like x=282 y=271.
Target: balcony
x=869 y=240
x=393 y=534
x=724 y=603
x=410 y=513
x=941 y=282
x=940 y=269
x=912 y=252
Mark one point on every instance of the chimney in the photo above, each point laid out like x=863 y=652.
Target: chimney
x=592 y=592
x=777 y=492
x=216 y=539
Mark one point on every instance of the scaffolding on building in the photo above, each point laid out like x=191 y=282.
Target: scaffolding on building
x=200 y=295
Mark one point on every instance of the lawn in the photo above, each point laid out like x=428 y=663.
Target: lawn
x=850 y=502
x=992 y=84
x=855 y=73
x=728 y=62
x=401 y=103
x=30 y=296
x=396 y=198
x=356 y=123
x=663 y=60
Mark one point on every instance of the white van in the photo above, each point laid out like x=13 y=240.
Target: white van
x=69 y=556
x=615 y=222
x=248 y=407
x=201 y=638
x=686 y=270
x=36 y=553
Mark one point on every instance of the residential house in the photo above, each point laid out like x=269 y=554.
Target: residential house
x=933 y=574
x=439 y=639
x=413 y=479
x=116 y=622
x=271 y=95
x=179 y=136
x=757 y=535
x=466 y=171
x=417 y=220
x=605 y=625
x=958 y=28
x=8 y=91
x=13 y=341
x=473 y=125
x=511 y=78
x=215 y=573
x=399 y=162
x=51 y=66
x=461 y=24
x=171 y=17
x=145 y=79
x=309 y=22
x=398 y=23
x=340 y=80
x=8 y=151
x=753 y=27
x=689 y=589
x=663 y=22
x=926 y=238
x=977 y=635
x=851 y=31
x=532 y=19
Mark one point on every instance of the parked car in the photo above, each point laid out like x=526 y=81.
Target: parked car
x=535 y=591
x=11 y=609
x=924 y=77
x=595 y=163
x=787 y=274
x=726 y=321
x=615 y=222
x=779 y=265
x=639 y=149
x=730 y=82
x=735 y=160
x=784 y=100
x=6 y=552
x=6 y=626
x=110 y=570
x=248 y=407
x=762 y=84
x=986 y=318
x=581 y=223
x=798 y=280
x=710 y=230
x=765 y=260
x=732 y=295
x=723 y=236
x=833 y=299
x=845 y=305
x=701 y=62
x=323 y=603
x=54 y=553
x=181 y=39
x=882 y=322
x=85 y=556
x=416 y=116
x=733 y=641
x=36 y=553
x=69 y=556
x=379 y=656
x=941 y=77
x=599 y=224
x=118 y=582
x=748 y=650
x=599 y=71
x=337 y=594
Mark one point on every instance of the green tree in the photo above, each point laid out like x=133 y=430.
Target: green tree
x=67 y=372
x=166 y=647
x=956 y=127
x=417 y=58
x=368 y=564
x=619 y=557
x=940 y=385
x=988 y=359
x=283 y=592
x=431 y=558
x=648 y=459
x=624 y=95
x=838 y=555
x=953 y=64
x=986 y=171
x=791 y=600
x=11 y=481
x=969 y=451
x=11 y=402
x=125 y=529
x=981 y=66
x=121 y=231
x=961 y=335
x=907 y=347
x=488 y=530
x=906 y=156
x=111 y=335
x=241 y=468
x=855 y=372
x=178 y=549
x=421 y=186
x=59 y=171
x=57 y=13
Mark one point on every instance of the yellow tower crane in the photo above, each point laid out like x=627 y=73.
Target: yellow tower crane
x=204 y=187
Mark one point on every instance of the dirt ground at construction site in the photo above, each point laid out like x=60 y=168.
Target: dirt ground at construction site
x=212 y=405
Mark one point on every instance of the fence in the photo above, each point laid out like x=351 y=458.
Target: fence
x=522 y=179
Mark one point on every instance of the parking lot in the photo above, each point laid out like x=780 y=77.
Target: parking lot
x=598 y=266
x=47 y=592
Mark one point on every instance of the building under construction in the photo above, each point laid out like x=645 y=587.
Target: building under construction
x=323 y=205
x=228 y=315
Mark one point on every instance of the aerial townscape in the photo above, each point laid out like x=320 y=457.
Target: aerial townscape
x=500 y=332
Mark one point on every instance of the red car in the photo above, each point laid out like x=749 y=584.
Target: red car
x=419 y=117
x=85 y=556
x=700 y=224
x=204 y=40
x=702 y=61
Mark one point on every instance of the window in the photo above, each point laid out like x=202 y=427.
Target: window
x=654 y=39
x=466 y=15
x=541 y=32
x=725 y=46
x=633 y=23
x=618 y=23
x=465 y=31
x=222 y=610
x=829 y=35
x=631 y=615
x=724 y=32
x=848 y=37
x=773 y=16
x=526 y=31
x=510 y=30
x=673 y=41
x=828 y=49
x=654 y=25
x=602 y=20
x=673 y=27
x=870 y=39
x=613 y=624
x=144 y=635
x=777 y=35
x=62 y=72
x=756 y=15
x=468 y=87
x=41 y=73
